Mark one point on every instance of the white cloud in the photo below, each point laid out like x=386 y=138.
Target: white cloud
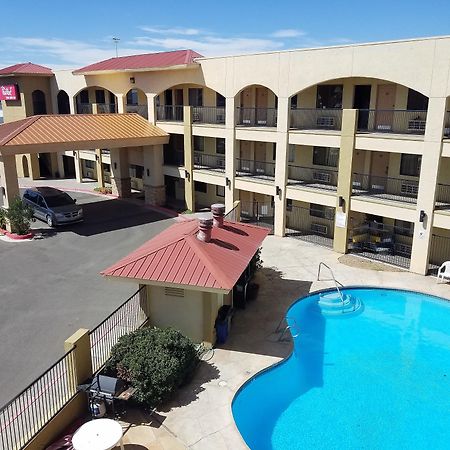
x=288 y=33
x=177 y=30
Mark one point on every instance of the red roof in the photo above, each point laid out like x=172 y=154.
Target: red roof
x=26 y=69
x=176 y=256
x=146 y=61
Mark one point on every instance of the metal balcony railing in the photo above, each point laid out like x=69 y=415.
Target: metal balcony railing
x=257 y=117
x=442 y=196
x=106 y=108
x=208 y=114
x=206 y=161
x=169 y=113
x=385 y=188
x=447 y=125
x=392 y=121
x=315 y=178
x=142 y=110
x=84 y=108
x=316 y=119
x=173 y=157
x=260 y=169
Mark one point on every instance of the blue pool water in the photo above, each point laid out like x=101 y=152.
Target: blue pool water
x=377 y=378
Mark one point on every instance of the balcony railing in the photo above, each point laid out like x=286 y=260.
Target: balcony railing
x=173 y=157
x=208 y=114
x=313 y=178
x=385 y=188
x=259 y=169
x=106 y=108
x=169 y=113
x=142 y=110
x=442 y=196
x=392 y=121
x=316 y=119
x=213 y=162
x=447 y=125
x=257 y=117
x=258 y=213
x=84 y=108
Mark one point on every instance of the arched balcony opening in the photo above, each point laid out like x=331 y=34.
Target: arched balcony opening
x=383 y=106
x=208 y=106
x=39 y=104
x=63 y=103
x=137 y=102
x=95 y=100
x=257 y=107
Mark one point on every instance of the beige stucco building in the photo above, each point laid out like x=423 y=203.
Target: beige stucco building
x=346 y=146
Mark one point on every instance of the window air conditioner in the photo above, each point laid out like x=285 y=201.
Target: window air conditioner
x=322 y=176
x=319 y=229
x=409 y=188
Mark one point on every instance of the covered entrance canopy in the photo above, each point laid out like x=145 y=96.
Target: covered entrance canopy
x=55 y=133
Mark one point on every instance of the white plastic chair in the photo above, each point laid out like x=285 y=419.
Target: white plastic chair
x=444 y=271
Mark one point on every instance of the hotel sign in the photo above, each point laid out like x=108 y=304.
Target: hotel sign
x=9 y=92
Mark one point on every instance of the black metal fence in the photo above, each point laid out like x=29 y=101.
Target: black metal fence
x=208 y=161
x=385 y=188
x=84 y=108
x=232 y=216
x=126 y=318
x=260 y=169
x=208 y=114
x=316 y=119
x=324 y=179
x=106 y=108
x=392 y=121
x=315 y=226
x=257 y=117
x=26 y=414
x=258 y=213
x=169 y=113
x=142 y=110
x=385 y=243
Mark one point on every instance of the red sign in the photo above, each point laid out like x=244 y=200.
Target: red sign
x=9 y=92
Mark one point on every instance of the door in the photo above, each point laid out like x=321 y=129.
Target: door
x=385 y=107
x=171 y=191
x=378 y=182
x=41 y=208
x=361 y=101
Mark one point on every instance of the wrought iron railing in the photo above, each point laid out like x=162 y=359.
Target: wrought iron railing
x=84 y=108
x=392 y=121
x=106 y=108
x=25 y=415
x=316 y=119
x=126 y=318
x=385 y=188
x=169 y=113
x=142 y=110
x=324 y=179
x=249 y=167
x=232 y=216
x=442 y=196
x=208 y=114
x=207 y=161
x=173 y=157
x=257 y=117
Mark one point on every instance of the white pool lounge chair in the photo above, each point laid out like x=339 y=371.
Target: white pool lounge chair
x=444 y=271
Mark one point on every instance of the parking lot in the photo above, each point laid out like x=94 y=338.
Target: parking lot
x=51 y=286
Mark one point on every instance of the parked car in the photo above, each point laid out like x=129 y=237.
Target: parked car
x=53 y=206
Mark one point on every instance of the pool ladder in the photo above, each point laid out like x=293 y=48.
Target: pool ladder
x=293 y=326
x=333 y=278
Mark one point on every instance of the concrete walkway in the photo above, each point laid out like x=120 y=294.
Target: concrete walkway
x=200 y=415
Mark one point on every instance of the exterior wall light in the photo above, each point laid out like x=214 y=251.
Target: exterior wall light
x=187 y=175
x=148 y=172
x=278 y=190
x=422 y=216
x=132 y=80
x=341 y=201
x=227 y=181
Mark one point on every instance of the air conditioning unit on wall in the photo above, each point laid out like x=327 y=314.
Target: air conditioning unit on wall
x=319 y=229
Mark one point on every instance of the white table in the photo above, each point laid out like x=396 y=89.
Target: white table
x=98 y=434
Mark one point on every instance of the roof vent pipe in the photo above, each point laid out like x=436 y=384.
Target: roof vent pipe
x=204 y=228
x=218 y=211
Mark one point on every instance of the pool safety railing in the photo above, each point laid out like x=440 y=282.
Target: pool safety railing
x=292 y=327
x=333 y=278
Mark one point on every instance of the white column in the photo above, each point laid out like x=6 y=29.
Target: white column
x=151 y=105
x=230 y=153
x=121 y=103
x=78 y=167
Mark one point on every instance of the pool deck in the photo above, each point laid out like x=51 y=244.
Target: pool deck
x=200 y=415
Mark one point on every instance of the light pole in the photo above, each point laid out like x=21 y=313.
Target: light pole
x=116 y=42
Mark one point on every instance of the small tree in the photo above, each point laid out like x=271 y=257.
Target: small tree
x=19 y=215
x=2 y=218
x=155 y=361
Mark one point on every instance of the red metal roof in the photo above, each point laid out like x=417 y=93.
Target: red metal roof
x=146 y=61
x=176 y=256
x=26 y=69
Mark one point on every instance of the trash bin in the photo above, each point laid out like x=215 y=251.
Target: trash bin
x=223 y=322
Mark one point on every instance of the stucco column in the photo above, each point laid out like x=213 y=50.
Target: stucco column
x=189 y=191
x=151 y=107
x=78 y=167
x=230 y=153
x=99 y=167
x=344 y=187
x=427 y=185
x=60 y=163
x=35 y=171
x=121 y=103
x=8 y=180
x=154 y=188
x=73 y=105
x=282 y=148
x=82 y=361
x=120 y=172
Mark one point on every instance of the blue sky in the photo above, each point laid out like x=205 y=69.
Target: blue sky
x=70 y=34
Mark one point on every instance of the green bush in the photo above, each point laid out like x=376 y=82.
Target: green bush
x=19 y=215
x=155 y=361
x=2 y=218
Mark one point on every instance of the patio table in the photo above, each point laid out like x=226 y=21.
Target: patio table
x=98 y=434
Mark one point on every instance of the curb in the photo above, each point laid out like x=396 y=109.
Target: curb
x=17 y=237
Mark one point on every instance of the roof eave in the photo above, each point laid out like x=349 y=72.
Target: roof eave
x=19 y=74
x=143 y=69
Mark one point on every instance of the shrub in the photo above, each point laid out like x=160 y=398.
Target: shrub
x=154 y=361
x=19 y=215
x=2 y=218
x=104 y=190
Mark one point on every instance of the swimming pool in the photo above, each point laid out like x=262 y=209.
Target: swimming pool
x=375 y=378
